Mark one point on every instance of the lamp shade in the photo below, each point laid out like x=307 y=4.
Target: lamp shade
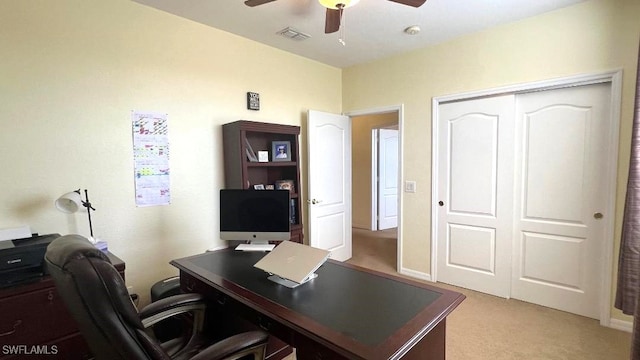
x=69 y=202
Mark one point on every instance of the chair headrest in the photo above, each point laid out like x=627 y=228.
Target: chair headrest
x=72 y=247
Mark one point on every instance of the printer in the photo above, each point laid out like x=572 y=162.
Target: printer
x=22 y=260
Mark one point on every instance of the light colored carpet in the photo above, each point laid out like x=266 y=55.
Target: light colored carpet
x=488 y=327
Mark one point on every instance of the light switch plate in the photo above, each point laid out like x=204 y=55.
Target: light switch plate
x=410 y=186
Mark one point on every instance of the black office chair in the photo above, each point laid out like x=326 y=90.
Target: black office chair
x=96 y=296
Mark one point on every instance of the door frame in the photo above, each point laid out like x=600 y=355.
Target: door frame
x=615 y=78
x=400 y=110
x=375 y=171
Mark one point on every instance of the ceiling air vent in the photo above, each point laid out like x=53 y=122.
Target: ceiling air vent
x=293 y=34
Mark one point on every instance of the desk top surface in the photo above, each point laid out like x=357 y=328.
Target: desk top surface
x=359 y=306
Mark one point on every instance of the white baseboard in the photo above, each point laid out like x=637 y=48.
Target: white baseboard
x=621 y=325
x=415 y=274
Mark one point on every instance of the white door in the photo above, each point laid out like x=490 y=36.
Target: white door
x=475 y=182
x=559 y=199
x=525 y=173
x=329 y=193
x=387 y=178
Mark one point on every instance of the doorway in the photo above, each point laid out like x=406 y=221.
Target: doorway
x=367 y=126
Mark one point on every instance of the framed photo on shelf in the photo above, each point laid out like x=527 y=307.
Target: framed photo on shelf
x=263 y=156
x=280 y=151
x=285 y=185
x=269 y=187
x=258 y=187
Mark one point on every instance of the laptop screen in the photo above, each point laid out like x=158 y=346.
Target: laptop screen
x=293 y=261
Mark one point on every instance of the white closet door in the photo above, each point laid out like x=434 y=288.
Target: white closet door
x=558 y=233
x=475 y=194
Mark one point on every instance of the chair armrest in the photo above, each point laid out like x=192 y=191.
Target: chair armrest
x=236 y=346
x=170 y=306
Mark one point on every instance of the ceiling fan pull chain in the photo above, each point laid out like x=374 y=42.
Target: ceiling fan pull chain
x=341 y=37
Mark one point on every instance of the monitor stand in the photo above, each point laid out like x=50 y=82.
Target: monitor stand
x=288 y=283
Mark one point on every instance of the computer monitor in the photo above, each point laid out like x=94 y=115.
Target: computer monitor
x=257 y=216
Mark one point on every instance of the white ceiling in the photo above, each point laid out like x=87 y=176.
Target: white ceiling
x=373 y=29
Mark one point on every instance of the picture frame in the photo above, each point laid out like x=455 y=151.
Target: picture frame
x=253 y=101
x=269 y=187
x=263 y=156
x=285 y=185
x=281 y=151
x=258 y=187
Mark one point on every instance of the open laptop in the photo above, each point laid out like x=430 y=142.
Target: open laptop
x=292 y=264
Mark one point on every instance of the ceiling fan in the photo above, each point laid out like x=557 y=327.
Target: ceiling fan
x=335 y=9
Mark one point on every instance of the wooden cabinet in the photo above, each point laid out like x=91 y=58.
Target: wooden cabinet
x=242 y=140
x=33 y=318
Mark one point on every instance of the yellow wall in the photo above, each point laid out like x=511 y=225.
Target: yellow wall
x=70 y=73
x=361 y=129
x=590 y=37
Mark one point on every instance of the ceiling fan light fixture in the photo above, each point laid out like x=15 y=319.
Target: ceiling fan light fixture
x=335 y=4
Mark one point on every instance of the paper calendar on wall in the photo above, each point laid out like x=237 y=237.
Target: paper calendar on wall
x=151 y=158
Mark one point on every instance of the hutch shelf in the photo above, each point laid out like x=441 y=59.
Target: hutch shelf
x=242 y=141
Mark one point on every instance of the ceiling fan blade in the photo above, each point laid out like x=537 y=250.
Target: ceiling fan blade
x=332 y=21
x=253 y=3
x=414 y=3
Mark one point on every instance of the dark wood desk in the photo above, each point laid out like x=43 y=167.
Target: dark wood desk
x=347 y=312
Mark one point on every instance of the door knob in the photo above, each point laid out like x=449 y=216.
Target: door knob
x=314 y=201
x=597 y=215
x=441 y=203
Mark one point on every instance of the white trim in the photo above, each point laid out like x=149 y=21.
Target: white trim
x=621 y=325
x=400 y=110
x=415 y=274
x=615 y=78
x=610 y=185
x=375 y=137
x=576 y=80
x=435 y=104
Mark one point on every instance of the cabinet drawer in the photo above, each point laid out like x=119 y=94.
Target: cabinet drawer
x=34 y=318
x=71 y=347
